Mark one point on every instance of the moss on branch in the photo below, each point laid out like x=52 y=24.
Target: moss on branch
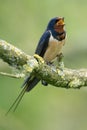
x=68 y=78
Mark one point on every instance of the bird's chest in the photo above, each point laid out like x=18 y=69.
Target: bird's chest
x=54 y=48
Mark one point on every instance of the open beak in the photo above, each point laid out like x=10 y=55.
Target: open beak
x=60 y=22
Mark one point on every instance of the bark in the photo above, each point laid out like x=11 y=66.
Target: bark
x=26 y=64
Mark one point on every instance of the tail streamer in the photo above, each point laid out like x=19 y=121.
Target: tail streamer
x=17 y=100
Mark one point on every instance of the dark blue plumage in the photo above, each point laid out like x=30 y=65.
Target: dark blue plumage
x=43 y=43
x=49 y=47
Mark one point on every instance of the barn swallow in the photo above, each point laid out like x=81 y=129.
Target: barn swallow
x=49 y=47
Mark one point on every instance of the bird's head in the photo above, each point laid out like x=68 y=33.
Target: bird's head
x=56 y=24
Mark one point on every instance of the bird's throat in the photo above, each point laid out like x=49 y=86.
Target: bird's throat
x=59 y=28
x=61 y=36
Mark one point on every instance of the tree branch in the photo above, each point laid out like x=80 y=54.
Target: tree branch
x=27 y=65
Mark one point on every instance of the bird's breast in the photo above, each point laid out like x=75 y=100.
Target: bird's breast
x=54 y=48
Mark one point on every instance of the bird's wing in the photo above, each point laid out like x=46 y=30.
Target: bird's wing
x=43 y=44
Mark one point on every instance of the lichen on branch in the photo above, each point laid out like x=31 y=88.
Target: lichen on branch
x=68 y=78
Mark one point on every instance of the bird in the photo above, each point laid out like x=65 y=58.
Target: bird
x=49 y=47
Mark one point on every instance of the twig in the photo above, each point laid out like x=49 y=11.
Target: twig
x=12 y=75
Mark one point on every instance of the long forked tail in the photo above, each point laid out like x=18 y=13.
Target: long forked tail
x=28 y=85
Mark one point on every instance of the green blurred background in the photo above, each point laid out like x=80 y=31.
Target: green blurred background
x=22 y=22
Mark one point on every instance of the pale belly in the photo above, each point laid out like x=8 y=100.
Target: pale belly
x=54 y=48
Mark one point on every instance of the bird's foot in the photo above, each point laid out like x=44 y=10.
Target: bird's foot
x=49 y=63
x=60 y=62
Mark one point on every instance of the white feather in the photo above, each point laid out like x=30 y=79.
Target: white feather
x=54 y=48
